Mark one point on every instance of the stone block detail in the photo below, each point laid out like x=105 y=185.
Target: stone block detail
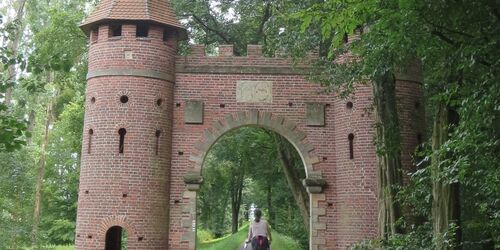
x=315 y=114
x=193 y=113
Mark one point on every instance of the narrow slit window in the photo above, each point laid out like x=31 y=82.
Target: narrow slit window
x=122 y=133
x=142 y=30
x=115 y=30
x=94 y=35
x=166 y=35
x=157 y=144
x=351 y=146
x=91 y=133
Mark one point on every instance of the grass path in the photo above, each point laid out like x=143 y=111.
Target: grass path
x=236 y=242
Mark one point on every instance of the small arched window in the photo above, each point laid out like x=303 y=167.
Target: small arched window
x=122 y=133
x=116 y=238
x=351 y=146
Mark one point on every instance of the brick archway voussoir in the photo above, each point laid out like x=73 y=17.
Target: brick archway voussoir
x=279 y=124
x=118 y=220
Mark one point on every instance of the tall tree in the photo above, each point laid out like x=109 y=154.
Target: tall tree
x=291 y=168
x=454 y=40
x=13 y=45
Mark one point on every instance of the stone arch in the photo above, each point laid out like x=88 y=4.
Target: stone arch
x=279 y=124
x=119 y=220
x=314 y=181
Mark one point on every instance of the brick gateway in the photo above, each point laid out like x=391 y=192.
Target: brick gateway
x=152 y=116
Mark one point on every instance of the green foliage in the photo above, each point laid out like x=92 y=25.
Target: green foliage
x=12 y=131
x=282 y=242
x=247 y=22
x=16 y=187
x=203 y=235
x=418 y=238
x=457 y=42
x=234 y=241
x=252 y=152
x=59 y=43
x=12 y=128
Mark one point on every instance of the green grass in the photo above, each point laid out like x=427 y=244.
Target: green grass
x=282 y=242
x=64 y=248
x=234 y=241
x=52 y=247
x=229 y=242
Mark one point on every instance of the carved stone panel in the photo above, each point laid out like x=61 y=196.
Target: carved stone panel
x=254 y=91
x=315 y=114
x=193 y=113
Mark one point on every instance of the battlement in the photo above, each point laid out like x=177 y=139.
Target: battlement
x=255 y=62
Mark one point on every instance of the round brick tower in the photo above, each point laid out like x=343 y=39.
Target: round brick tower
x=126 y=155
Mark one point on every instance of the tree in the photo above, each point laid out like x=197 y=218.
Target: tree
x=456 y=42
x=245 y=22
x=252 y=154
x=58 y=45
x=294 y=173
x=12 y=129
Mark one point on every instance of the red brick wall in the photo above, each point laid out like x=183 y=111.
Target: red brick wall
x=350 y=203
x=131 y=189
x=150 y=53
x=156 y=210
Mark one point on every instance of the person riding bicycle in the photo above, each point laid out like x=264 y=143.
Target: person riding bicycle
x=259 y=233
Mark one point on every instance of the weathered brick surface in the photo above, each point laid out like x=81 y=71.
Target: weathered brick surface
x=153 y=196
x=347 y=213
x=129 y=189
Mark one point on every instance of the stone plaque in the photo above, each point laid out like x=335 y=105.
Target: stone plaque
x=254 y=91
x=129 y=55
x=193 y=113
x=315 y=114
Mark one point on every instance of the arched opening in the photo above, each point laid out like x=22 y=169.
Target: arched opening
x=247 y=168
x=351 y=146
x=116 y=238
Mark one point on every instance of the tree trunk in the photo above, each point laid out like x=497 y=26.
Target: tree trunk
x=269 y=199
x=236 y=195
x=13 y=46
x=445 y=196
x=292 y=176
x=31 y=126
x=41 y=169
x=389 y=171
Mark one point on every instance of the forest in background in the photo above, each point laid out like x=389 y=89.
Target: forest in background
x=454 y=195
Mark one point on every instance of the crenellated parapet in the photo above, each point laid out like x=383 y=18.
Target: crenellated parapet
x=255 y=62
